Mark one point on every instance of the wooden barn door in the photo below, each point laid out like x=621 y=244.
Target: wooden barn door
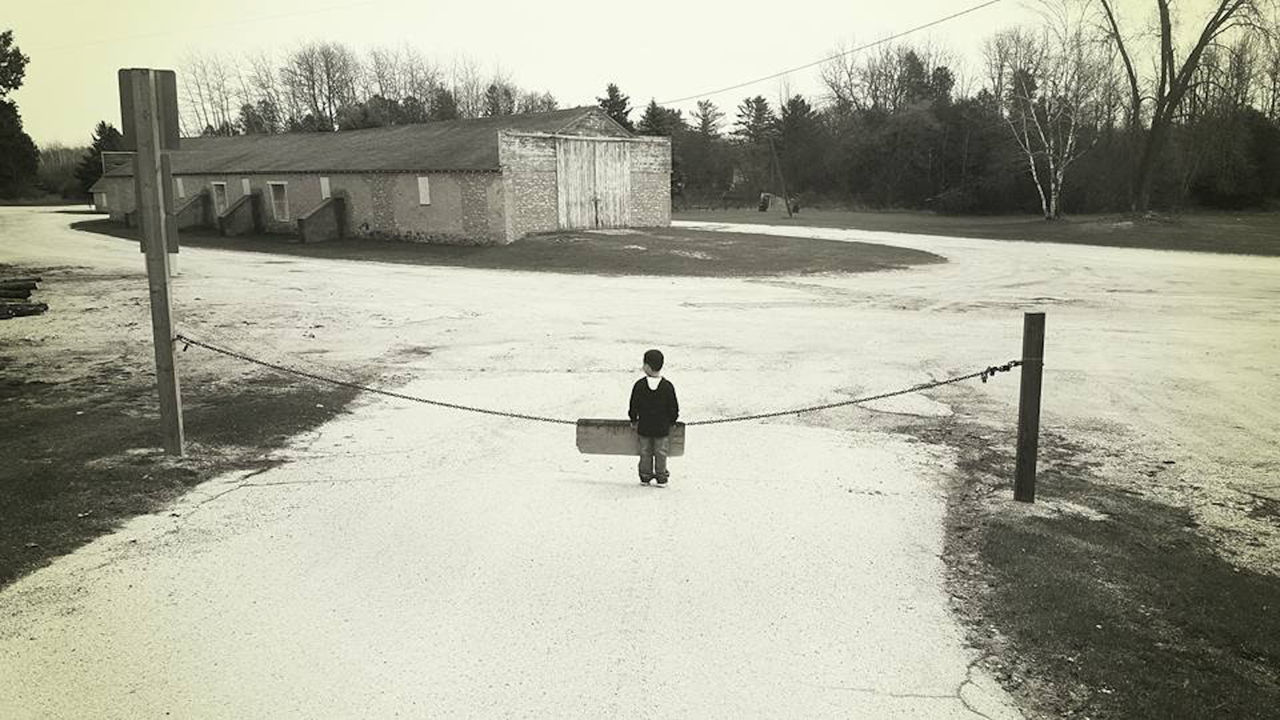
x=613 y=184
x=594 y=183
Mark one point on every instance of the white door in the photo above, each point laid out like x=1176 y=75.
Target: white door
x=613 y=184
x=594 y=183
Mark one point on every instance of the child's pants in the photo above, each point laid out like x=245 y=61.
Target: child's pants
x=653 y=457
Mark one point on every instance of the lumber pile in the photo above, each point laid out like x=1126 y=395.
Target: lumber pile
x=15 y=297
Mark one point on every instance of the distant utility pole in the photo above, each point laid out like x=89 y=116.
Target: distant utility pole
x=149 y=115
x=782 y=180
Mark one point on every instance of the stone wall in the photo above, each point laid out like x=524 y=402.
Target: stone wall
x=651 y=182
x=466 y=208
x=529 y=184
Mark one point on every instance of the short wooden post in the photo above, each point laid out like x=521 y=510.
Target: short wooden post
x=1024 y=483
x=148 y=111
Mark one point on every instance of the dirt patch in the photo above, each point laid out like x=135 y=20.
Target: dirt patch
x=664 y=252
x=1096 y=601
x=81 y=437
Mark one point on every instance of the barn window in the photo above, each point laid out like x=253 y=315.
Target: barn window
x=424 y=191
x=219 y=197
x=244 y=186
x=177 y=183
x=324 y=188
x=279 y=200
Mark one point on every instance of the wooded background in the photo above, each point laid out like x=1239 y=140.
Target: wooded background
x=1095 y=108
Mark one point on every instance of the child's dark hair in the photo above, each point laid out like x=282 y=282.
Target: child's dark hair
x=653 y=358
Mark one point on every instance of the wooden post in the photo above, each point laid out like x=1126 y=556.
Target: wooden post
x=1024 y=483
x=782 y=180
x=148 y=113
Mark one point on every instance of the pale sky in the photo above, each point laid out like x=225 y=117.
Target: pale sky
x=659 y=49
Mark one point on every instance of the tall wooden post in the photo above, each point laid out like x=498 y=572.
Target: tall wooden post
x=1024 y=483
x=148 y=112
x=782 y=180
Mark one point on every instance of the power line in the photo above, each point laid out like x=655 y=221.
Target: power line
x=860 y=48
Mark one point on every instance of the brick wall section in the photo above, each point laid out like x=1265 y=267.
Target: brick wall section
x=651 y=182
x=529 y=184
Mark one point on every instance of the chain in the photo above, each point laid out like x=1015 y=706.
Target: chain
x=364 y=388
x=984 y=374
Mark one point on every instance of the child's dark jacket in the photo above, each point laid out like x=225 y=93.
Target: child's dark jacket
x=654 y=411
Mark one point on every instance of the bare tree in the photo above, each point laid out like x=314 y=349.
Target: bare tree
x=840 y=77
x=209 y=93
x=418 y=76
x=1174 y=79
x=885 y=80
x=319 y=79
x=1269 y=100
x=1052 y=86
x=468 y=86
x=530 y=102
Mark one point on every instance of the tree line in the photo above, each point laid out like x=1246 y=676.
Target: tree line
x=1062 y=115
x=325 y=86
x=1093 y=108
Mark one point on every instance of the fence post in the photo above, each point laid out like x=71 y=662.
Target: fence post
x=1024 y=483
x=148 y=109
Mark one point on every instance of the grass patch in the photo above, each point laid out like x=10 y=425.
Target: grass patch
x=1254 y=233
x=82 y=457
x=660 y=251
x=1099 y=603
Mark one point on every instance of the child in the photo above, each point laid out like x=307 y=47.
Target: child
x=653 y=411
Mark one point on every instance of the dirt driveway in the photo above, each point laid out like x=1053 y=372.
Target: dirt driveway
x=411 y=559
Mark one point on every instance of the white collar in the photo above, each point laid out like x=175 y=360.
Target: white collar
x=653 y=381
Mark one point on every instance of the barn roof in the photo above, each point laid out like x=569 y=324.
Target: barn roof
x=453 y=145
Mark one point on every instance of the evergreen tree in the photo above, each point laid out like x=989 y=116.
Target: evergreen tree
x=13 y=64
x=414 y=110
x=19 y=158
x=616 y=105
x=499 y=99
x=708 y=119
x=262 y=118
x=444 y=105
x=756 y=121
x=661 y=121
x=105 y=137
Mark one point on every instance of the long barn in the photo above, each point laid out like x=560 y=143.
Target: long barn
x=488 y=180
